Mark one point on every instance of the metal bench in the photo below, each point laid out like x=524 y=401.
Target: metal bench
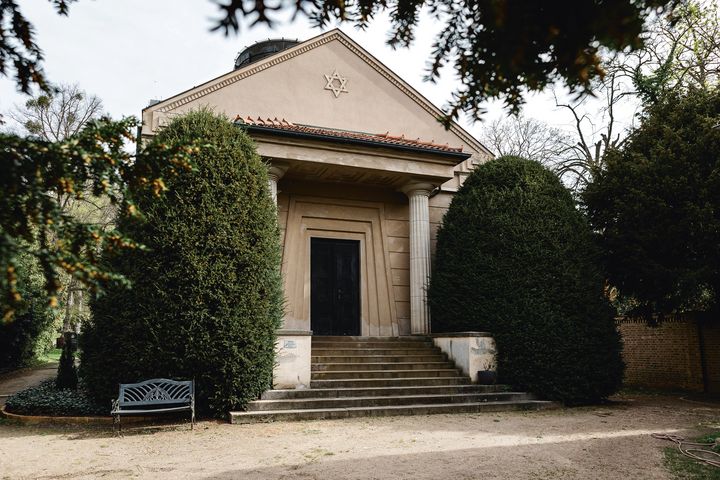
x=159 y=395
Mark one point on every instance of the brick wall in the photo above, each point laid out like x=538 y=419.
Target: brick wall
x=711 y=340
x=668 y=356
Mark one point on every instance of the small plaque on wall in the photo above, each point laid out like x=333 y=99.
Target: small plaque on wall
x=289 y=344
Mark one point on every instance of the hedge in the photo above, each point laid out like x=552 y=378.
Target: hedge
x=515 y=257
x=206 y=296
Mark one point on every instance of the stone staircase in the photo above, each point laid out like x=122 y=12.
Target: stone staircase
x=377 y=376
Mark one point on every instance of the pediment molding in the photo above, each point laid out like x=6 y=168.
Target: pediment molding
x=211 y=86
x=237 y=75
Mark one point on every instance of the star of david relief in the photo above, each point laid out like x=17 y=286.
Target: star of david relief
x=336 y=83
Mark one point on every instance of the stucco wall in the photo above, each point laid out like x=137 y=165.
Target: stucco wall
x=376 y=217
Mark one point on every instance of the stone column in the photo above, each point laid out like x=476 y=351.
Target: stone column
x=275 y=173
x=419 y=194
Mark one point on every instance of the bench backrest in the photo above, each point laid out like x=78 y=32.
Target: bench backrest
x=158 y=391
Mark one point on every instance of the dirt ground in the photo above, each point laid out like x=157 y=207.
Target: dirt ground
x=608 y=442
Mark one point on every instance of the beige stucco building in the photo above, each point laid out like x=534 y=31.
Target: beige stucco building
x=362 y=173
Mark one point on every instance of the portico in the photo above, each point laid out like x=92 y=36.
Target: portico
x=365 y=189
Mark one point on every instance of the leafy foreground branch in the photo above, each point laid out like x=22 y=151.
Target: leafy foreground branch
x=498 y=49
x=37 y=173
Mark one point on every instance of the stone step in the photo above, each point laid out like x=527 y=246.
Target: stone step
x=330 y=338
x=363 y=344
x=378 y=376
x=373 y=351
x=357 y=366
x=389 y=382
x=380 y=391
x=385 y=400
x=316 y=359
x=336 y=413
x=356 y=374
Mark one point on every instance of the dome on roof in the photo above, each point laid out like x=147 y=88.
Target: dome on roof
x=261 y=50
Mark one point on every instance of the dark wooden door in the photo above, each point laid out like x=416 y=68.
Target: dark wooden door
x=334 y=286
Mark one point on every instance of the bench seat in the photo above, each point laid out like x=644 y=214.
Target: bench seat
x=154 y=410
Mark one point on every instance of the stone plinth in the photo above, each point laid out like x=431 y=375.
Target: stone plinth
x=292 y=359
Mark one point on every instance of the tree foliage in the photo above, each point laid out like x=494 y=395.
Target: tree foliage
x=37 y=174
x=657 y=206
x=681 y=51
x=516 y=258
x=499 y=49
x=54 y=117
x=207 y=296
x=18 y=50
x=24 y=338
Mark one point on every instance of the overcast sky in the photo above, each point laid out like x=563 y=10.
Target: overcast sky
x=128 y=52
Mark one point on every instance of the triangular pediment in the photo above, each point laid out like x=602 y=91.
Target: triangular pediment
x=328 y=81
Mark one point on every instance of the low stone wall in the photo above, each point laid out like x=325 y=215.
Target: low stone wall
x=682 y=352
x=471 y=351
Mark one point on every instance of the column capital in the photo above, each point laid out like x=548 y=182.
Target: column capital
x=276 y=169
x=416 y=188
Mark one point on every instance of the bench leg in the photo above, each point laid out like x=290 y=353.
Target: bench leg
x=116 y=424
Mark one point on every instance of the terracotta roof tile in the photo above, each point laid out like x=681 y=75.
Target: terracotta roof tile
x=380 y=138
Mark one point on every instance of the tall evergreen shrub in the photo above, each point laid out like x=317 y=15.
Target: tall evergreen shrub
x=657 y=204
x=67 y=377
x=206 y=294
x=516 y=258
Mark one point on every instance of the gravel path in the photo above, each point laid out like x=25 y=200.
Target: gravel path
x=608 y=442
x=13 y=382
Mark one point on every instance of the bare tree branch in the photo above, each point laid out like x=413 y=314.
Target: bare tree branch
x=680 y=52
x=58 y=115
x=536 y=140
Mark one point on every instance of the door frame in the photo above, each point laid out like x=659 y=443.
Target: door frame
x=362 y=284
x=352 y=220
x=358 y=244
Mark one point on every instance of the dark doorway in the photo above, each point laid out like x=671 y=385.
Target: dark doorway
x=334 y=286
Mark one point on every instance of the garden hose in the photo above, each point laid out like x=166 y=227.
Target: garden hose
x=703 y=452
